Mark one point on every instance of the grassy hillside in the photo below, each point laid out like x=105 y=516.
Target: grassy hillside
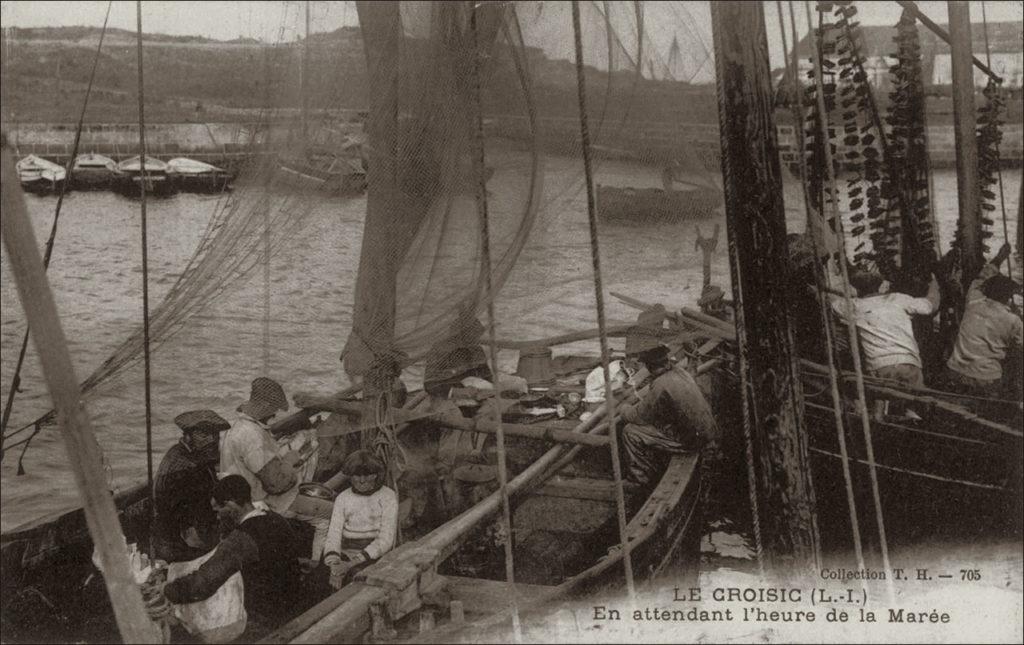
x=45 y=75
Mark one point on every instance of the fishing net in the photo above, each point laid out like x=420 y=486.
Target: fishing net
x=427 y=101
x=432 y=81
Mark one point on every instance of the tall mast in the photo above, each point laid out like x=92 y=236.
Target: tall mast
x=965 y=132
x=304 y=85
x=756 y=225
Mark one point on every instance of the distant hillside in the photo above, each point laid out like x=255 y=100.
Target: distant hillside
x=190 y=78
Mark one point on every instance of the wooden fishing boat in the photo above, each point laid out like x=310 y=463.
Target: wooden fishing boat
x=93 y=172
x=159 y=177
x=325 y=173
x=655 y=205
x=38 y=175
x=195 y=176
x=565 y=534
x=953 y=455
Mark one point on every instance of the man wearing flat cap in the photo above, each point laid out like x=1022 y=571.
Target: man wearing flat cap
x=186 y=526
x=272 y=471
x=673 y=417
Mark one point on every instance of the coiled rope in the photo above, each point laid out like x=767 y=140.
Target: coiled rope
x=595 y=256
x=848 y=303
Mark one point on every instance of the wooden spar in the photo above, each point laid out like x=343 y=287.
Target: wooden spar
x=83 y=451
x=941 y=33
x=572 y=337
x=965 y=133
x=756 y=226
x=332 y=621
x=532 y=431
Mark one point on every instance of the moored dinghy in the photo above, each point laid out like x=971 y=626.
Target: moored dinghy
x=93 y=172
x=39 y=175
x=159 y=177
x=198 y=176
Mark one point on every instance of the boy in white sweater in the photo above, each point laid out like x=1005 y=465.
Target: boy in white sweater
x=364 y=521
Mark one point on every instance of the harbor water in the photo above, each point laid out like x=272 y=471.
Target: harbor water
x=96 y=276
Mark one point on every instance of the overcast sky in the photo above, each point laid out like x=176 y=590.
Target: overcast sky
x=273 y=21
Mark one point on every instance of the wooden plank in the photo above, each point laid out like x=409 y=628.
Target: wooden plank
x=479 y=596
x=305 y=621
x=83 y=452
x=583 y=488
x=756 y=225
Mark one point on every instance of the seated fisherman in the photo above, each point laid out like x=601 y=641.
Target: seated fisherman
x=272 y=472
x=987 y=330
x=673 y=416
x=261 y=545
x=456 y=357
x=185 y=526
x=364 y=523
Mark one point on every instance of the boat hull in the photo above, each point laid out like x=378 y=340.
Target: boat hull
x=41 y=185
x=204 y=183
x=92 y=179
x=128 y=184
x=305 y=177
x=655 y=205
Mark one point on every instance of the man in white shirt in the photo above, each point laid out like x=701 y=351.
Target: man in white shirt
x=885 y=326
x=988 y=329
x=272 y=471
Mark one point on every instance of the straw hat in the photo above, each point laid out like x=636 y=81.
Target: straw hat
x=266 y=397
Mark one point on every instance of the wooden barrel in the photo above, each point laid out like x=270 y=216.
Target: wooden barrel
x=535 y=366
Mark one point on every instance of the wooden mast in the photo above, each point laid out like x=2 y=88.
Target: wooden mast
x=83 y=451
x=755 y=221
x=305 y=86
x=965 y=133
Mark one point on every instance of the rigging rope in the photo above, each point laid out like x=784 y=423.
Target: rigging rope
x=16 y=380
x=145 y=265
x=479 y=163
x=595 y=256
x=848 y=303
x=999 y=161
x=837 y=404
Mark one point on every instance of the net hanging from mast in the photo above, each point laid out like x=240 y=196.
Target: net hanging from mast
x=429 y=245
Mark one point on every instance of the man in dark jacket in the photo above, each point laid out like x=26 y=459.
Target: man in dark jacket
x=262 y=546
x=186 y=526
x=673 y=417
